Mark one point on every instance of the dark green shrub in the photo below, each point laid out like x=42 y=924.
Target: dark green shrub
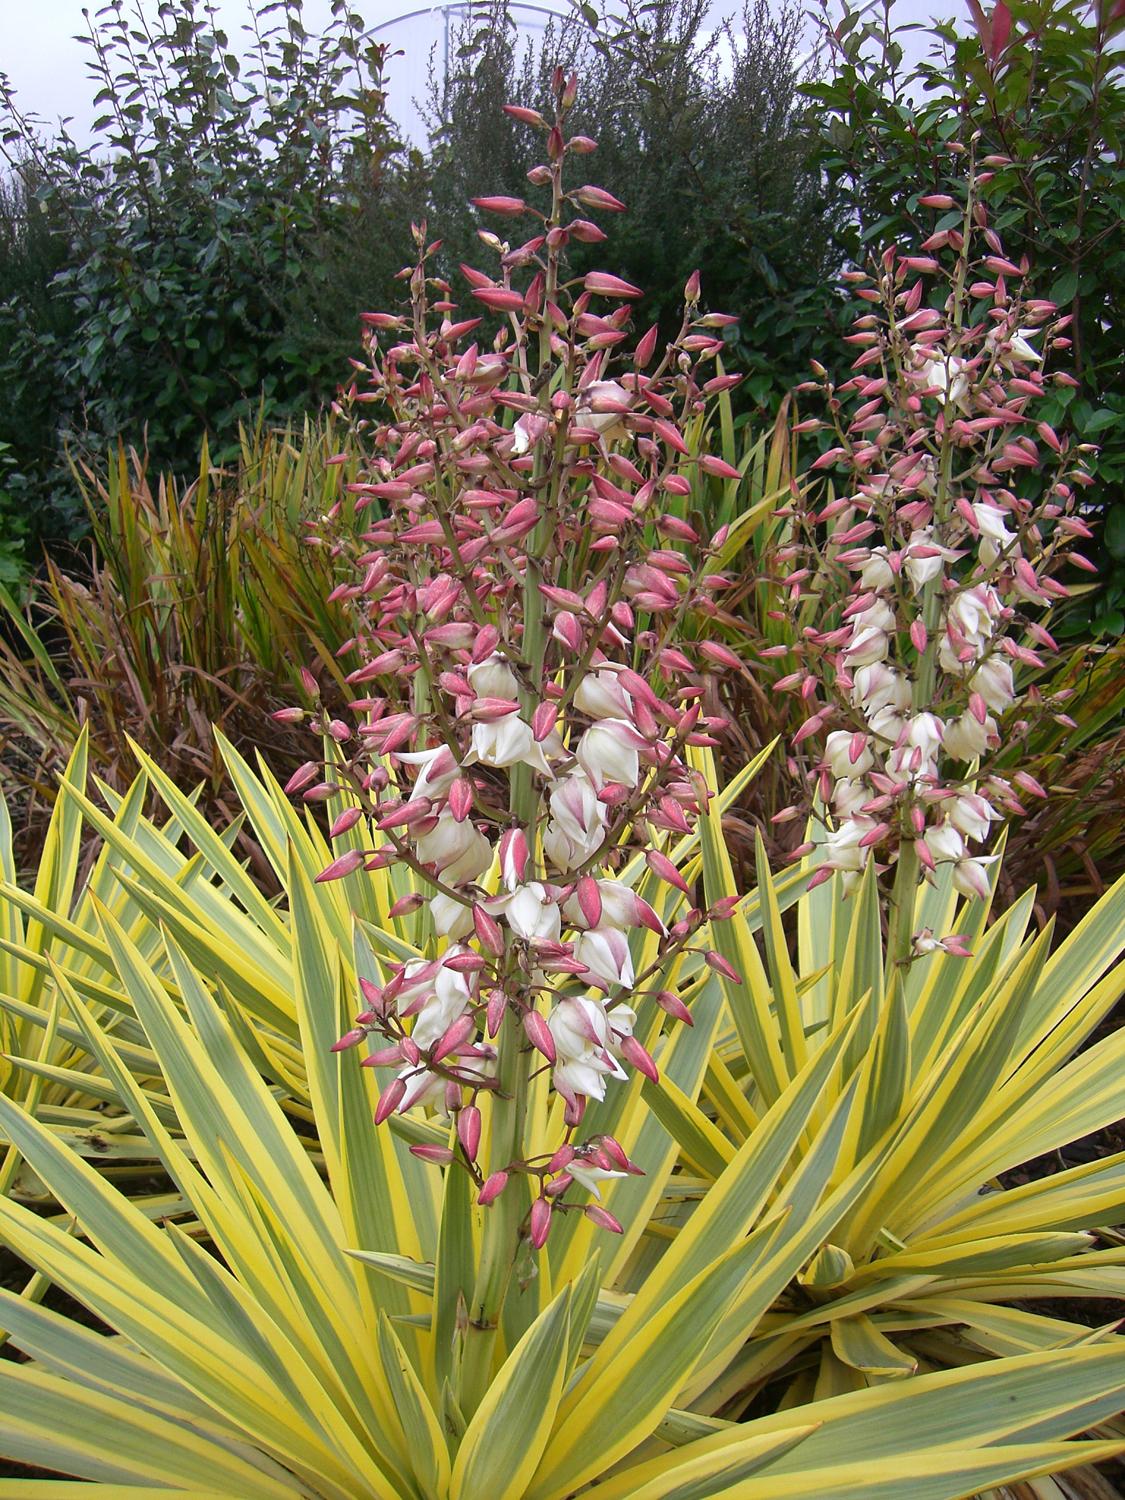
x=702 y=135
x=36 y=331
x=212 y=250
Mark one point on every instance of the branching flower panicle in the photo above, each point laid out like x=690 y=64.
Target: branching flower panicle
x=956 y=506
x=527 y=697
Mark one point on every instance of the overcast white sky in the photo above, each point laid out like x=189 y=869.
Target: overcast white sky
x=47 y=66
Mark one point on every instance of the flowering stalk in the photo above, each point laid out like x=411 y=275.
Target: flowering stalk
x=527 y=703
x=957 y=506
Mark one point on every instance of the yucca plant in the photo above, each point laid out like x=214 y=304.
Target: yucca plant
x=810 y=1230
x=524 y=914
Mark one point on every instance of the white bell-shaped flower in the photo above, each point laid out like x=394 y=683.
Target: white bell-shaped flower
x=576 y=828
x=609 y=751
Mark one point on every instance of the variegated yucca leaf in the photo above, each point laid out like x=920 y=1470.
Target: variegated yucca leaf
x=820 y=1230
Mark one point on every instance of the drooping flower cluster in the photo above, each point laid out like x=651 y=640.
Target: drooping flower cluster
x=527 y=699
x=956 y=505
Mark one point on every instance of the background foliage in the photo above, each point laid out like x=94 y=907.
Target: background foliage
x=211 y=252
x=185 y=269
x=700 y=132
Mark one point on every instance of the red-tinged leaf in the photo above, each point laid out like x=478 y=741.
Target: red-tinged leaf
x=1001 y=29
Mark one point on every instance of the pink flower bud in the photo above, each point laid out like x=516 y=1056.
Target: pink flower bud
x=390 y=1099
x=647 y=347
x=539 y=1224
x=489 y=932
x=721 y=655
x=464 y=963
x=468 y=1130
x=721 y=966
x=500 y=300
x=668 y=433
x=460 y=799
x=718 y=467
x=639 y=1057
x=349 y=1039
x=589 y=234
x=543 y=721
x=406 y=813
x=602 y=1218
x=493 y=1187
x=345 y=864
x=347 y=819
x=525 y=116
x=302 y=776
x=673 y=1006
x=500 y=205
x=1028 y=783
x=514 y=855
x=440 y=1156
x=692 y=288
x=489 y=710
x=596 y=197
x=589 y=900
x=488 y=638
x=404 y=906
x=562 y=1158
x=663 y=868
x=383 y=1058
x=539 y=1034
x=454 y=1035
x=410 y=1050
x=604 y=285
x=494 y=1011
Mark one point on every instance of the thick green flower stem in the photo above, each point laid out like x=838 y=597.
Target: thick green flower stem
x=503 y=1221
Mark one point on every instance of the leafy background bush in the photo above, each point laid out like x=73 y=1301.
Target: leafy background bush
x=187 y=268
x=209 y=254
x=701 y=133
